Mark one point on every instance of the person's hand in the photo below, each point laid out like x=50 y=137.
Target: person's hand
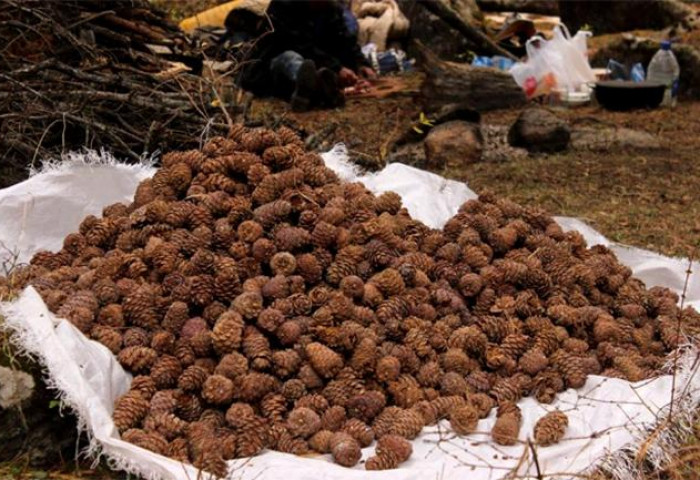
x=368 y=73
x=347 y=77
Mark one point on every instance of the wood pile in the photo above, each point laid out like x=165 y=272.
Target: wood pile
x=114 y=74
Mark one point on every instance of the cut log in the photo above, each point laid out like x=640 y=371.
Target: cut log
x=604 y=16
x=480 y=39
x=540 y=7
x=477 y=87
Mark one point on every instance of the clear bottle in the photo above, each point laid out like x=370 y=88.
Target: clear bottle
x=664 y=68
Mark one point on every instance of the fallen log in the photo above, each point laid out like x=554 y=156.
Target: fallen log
x=540 y=7
x=478 y=88
x=480 y=39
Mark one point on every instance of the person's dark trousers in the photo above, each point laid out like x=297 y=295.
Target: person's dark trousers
x=285 y=72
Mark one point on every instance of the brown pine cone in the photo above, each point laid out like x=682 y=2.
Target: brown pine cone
x=324 y=361
x=286 y=362
x=178 y=450
x=464 y=419
x=218 y=390
x=137 y=359
x=107 y=336
x=285 y=442
x=273 y=406
x=163 y=342
x=471 y=339
x=257 y=348
x=149 y=440
x=445 y=404
x=166 y=424
x=456 y=360
x=144 y=385
x=482 y=402
x=366 y=406
x=238 y=414
x=227 y=334
x=303 y=422
x=253 y=436
x=255 y=385
x=248 y=304
x=129 y=410
x=386 y=461
x=345 y=449
x=407 y=424
x=321 y=441
x=550 y=429
x=388 y=368
x=165 y=371
x=232 y=366
x=283 y=263
x=309 y=268
x=360 y=431
x=507 y=428
x=314 y=401
x=192 y=379
x=163 y=401
x=333 y=418
x=571 y=367
x=396 y=445
x=453 y=383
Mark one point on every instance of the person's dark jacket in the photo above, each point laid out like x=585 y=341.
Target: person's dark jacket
x=318 y=34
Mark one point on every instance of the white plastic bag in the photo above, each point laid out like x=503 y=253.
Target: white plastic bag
x=571 y=52
x=557 y=64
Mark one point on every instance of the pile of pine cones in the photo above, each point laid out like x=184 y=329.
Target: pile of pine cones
x=261 y=303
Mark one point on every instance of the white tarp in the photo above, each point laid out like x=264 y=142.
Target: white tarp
x=605 y=415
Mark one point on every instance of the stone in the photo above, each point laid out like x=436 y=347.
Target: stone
x=539 y=130
x=611 y=139
x=453 y=144
x=16 y=386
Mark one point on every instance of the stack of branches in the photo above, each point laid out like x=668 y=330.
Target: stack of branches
x=109 y=74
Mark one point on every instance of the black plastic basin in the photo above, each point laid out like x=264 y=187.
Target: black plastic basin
x=626 y=95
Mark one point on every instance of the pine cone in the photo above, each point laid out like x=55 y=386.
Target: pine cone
x=325 y=361
x=149 y=440
x=286 y=362
x=218 y=390
x=273 y=406
x=129 y=410
x=550 y=429
x=255 y=385
x=464 y=419
x=227 y=334
x=346 y=451
x=303 y=422
x=366 y=406
x=333 y=418
x=321 y=441
x=360 y=431
x=137 y=359
x=407 y=424
x=192 y=379
x=257 y=348
x=165 y=371
x=507 y=428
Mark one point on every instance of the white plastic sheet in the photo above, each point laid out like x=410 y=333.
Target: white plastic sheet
x=606 y=415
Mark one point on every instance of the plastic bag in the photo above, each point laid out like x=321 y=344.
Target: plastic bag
x=560 y=63
x=537 y=75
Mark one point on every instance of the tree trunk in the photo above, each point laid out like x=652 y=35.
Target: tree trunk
x=476 y=87
x=480 y=39
x=540 y=7
x=604 y=16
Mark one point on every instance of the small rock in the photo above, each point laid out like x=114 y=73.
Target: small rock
x=453 y=144
x=15 y=387
x=539 y=130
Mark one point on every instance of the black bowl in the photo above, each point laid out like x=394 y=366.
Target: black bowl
x=626 y=95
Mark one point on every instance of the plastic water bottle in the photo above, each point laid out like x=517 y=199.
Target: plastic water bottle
x=664 y=68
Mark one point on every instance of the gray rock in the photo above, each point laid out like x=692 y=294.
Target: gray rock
x=453 y=144
x=611 y=139
x=539 y=130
